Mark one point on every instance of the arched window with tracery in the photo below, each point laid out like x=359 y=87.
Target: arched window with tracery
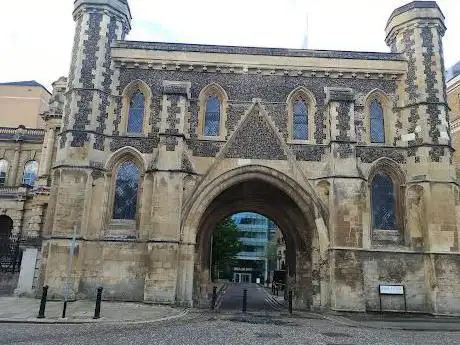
x=301 y=105
x=3 y=171
x=383 y=202
x=212 y=113
x=136 y=112
x=212 y=117
x=377 y=124
x=30 y=173
x=126 y=191
x=300 y=120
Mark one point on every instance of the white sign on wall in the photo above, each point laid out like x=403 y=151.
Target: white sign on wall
x=391 y=289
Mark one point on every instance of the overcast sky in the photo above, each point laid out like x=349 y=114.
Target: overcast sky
x=36 y=35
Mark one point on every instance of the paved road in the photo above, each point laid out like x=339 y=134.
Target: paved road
x=259 y=300
x=220 y=329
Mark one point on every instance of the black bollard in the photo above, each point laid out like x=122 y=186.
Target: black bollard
x=64 y=309
x=214 y=297
x=245 y=300
x=290 y=301
x=97 y=310
x=41 y=312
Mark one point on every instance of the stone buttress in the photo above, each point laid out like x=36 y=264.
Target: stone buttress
x=346 y=226
x=91 y=87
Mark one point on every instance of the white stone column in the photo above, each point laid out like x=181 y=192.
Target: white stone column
x=26 y=275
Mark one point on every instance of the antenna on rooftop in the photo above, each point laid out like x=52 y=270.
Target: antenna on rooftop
x=305 y=37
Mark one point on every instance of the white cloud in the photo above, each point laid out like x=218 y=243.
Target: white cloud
x=37 y=36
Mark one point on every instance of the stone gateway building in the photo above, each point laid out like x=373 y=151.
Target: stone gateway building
x=349 y=153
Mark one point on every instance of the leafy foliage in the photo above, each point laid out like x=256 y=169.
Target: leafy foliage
x=226 y=244
x=272 y=254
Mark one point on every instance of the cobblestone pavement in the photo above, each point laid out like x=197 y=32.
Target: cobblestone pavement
x=208 y=328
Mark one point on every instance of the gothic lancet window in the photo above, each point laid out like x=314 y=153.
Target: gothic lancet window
x=383 y=202
x=212 y=117
x=3 y=171
x=126 y=191
x=30 y=173
x=136 y=113
x=377 y=126
x=300 y=120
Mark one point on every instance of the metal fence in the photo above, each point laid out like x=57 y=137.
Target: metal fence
x=10 y=255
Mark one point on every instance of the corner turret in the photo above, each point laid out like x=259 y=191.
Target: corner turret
x=416 y=30
x=92 y=78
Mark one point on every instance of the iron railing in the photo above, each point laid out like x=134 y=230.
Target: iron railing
x=10 y=255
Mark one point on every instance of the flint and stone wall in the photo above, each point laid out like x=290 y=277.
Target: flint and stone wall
x=152 y=259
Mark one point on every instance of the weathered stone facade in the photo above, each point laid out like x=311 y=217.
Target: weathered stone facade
x=23 y=207
x=317 y=190
x=453 y=98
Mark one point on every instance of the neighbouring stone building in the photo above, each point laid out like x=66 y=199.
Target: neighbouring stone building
x=349 y=153
x=26 y=153
x=453 y=99
x=21 y=103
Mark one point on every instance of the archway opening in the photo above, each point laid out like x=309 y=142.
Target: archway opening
x=295 y=223
x=6 y=227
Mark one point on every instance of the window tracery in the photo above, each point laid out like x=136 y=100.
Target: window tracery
x=126 y=191
x=136 y=113
x=377 y=124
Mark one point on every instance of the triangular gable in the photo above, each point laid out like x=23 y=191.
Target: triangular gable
x=255 y=137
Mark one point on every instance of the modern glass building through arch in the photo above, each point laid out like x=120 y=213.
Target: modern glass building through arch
x=256 y=232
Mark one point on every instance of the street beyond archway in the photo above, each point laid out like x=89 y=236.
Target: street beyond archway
x=259 y=299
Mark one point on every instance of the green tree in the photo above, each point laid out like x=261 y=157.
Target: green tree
x=226 y=244
x=272 y=254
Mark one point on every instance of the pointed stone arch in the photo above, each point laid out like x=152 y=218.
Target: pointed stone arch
x=388 y=167
x=214 y=171
x=125 y=153
x=305 y=95
x=113 y=164
x=382 y=98
x=128 y=92
x=206 y=192
x=208 y=91
x=300 y=219
x=213 y=88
